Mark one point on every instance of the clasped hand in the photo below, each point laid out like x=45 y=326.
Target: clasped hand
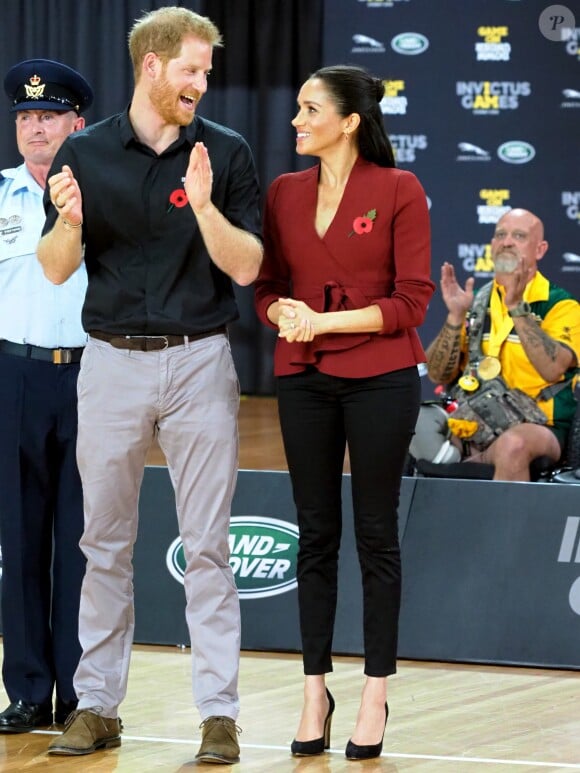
x=296 y=320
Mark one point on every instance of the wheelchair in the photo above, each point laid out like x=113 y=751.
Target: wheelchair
x=542 y=469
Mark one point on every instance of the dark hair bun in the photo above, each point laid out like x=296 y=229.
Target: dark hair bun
x=379 y=89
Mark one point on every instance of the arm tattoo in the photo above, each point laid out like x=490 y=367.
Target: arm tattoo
x=443 y=354
x=535 y=341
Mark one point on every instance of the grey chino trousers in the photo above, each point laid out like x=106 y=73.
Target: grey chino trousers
x=189 y=396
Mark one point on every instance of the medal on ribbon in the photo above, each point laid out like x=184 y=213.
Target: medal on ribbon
x=501 y=326
x=488 y=367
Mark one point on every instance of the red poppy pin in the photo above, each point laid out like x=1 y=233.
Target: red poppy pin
x=178 y=198
x=364 y=224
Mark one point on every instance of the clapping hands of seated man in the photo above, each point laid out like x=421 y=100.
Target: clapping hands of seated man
x=513 y=275
x=297 y=321
x=513 y=343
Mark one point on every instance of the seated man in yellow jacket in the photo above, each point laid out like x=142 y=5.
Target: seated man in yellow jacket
x=530 y=337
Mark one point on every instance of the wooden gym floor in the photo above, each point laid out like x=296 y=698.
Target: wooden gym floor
x=444 y=718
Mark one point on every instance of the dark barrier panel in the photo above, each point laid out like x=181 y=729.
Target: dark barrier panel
x=492 y=573
x=490 y=570
x=269 y=617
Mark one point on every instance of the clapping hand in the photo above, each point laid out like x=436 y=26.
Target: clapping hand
x=66 y=196
x=457 y=299
x=199 y=177
x=514 y=282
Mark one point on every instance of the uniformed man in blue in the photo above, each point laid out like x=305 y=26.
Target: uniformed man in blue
x=41 y=343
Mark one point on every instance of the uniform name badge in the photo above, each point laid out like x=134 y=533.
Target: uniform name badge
x=488 y=367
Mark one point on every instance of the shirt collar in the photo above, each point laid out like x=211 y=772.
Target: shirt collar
x=187 y=134
x=537 y=289
x=22 y=178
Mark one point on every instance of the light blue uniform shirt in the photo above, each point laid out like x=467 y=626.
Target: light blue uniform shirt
x=32 y=309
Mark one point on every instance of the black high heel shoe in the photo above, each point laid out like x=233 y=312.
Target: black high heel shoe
x=318 y=745
x=355 y=752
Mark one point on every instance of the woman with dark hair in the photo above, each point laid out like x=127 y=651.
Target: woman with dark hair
x=345 y=281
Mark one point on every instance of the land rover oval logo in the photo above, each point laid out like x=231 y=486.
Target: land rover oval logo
x=409 y=43
x=262 y=555
x=516 y=152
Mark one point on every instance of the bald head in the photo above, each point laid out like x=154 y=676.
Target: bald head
x=524 y=219
x=519 y=236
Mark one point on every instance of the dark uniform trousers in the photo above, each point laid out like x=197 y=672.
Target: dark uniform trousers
x=41 y=522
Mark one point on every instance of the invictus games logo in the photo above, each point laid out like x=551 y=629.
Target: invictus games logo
x=407 y=145
x=262 y=556
x=516 y=152
x=394 y=103
x=363 y=44
x=409 y=43
x=571 y=37
x=476 y=259
x=571 y=204
x=492 y=48
x=491 y=97
x=494 y=207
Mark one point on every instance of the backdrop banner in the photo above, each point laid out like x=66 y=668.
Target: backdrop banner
x=482 y=103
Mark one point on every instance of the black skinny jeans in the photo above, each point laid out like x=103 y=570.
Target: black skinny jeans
x=376 y=416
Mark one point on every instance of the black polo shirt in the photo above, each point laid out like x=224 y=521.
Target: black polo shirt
x=148 y=267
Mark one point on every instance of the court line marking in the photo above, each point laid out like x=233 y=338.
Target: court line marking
x=385 y=755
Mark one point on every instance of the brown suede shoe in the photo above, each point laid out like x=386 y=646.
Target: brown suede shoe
x=218 y=741
x=86 y=731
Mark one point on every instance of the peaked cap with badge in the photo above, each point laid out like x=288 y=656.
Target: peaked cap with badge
x=43 y=84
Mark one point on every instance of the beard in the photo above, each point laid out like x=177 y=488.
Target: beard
x=165 y=100
x=505 y=262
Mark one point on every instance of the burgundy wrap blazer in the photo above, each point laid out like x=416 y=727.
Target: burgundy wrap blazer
x=389 y=265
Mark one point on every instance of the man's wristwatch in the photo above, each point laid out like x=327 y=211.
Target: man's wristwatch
x=522 y=309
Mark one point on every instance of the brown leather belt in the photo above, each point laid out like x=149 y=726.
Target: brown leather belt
x=152 y=343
